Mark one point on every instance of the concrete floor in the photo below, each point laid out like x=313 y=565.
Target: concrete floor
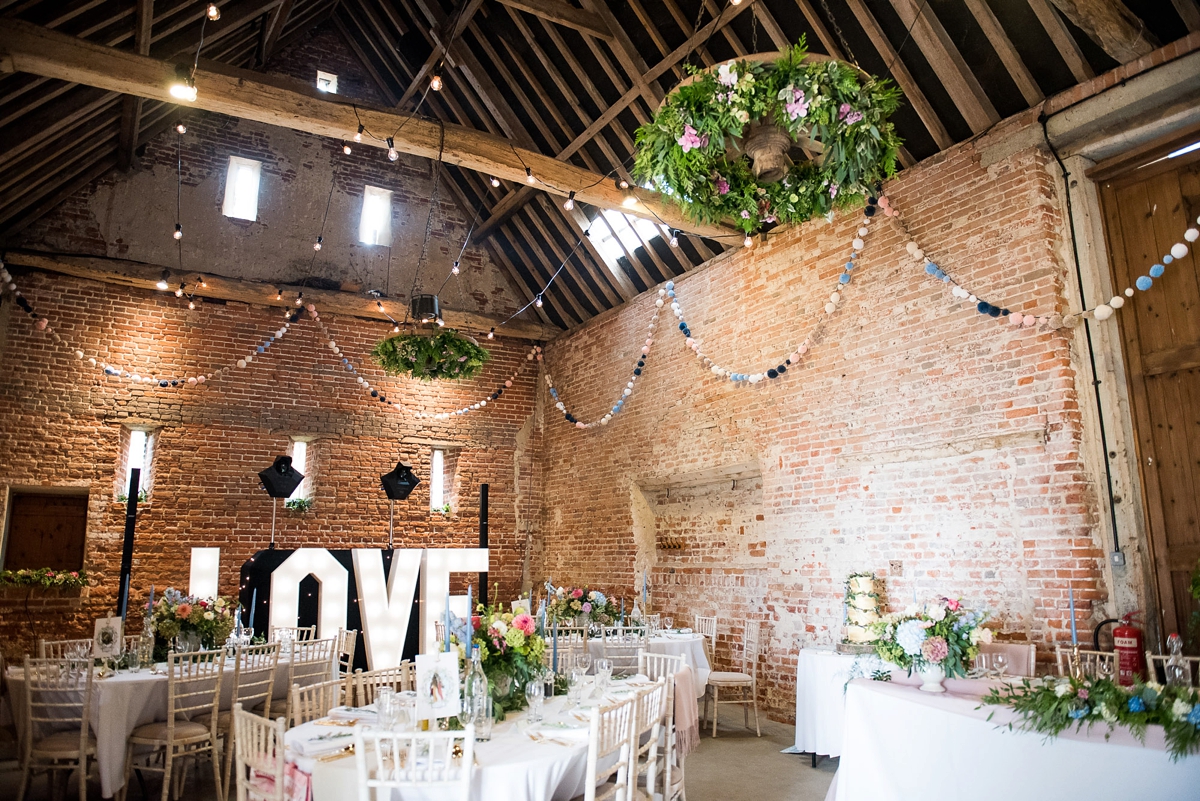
x=737 y=765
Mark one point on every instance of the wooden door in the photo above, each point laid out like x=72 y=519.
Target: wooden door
x=46 y=530
x=1146 y=212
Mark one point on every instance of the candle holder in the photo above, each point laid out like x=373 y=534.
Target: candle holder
x=1075 y=664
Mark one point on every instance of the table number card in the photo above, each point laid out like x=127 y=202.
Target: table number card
x=437 y=686
x=107 y=641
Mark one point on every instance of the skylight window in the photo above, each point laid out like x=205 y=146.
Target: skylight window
x=241 y=189
x=327 y=82
x=375 y=225
x=624 y=230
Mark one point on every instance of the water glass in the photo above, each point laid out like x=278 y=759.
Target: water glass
x=534 y=694
x=484 y=720
x=668 y=622
x=604 y=669
x=575 y=688
x=1000 y=663
x=583 y=660
x=132 y=660
x=385 y=709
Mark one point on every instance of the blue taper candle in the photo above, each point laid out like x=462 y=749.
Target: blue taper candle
x=1071 y=599
x=446 y=625
x=253 y=607
x=554 y=652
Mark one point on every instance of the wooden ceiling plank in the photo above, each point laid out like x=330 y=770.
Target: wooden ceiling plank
x=418 y=81
x=1064 y=42
x=554 y=292
x=1110 y=24
x=946 y=60
x=550 y=263
x=818 y=25
x=1189 y=12
x=666 y=271
x=627 y=54
x=48 y=156
x=685 y=25
x=586 y=22
x=507 y=78
x=731 y=38
x=552 y=69
x=617 y=76
x=31 y=104
x=904 y=79
x=35 y=210
x=656 y=36
x=274 y=28
x=635 y=262
x=234 y=17
x=771 y=26
x=34 y=129
x=564 y=223
x=567 y=257
x=1004 y=48
x=52 y=175
x=299 y=24
x=131 y=105
x=380 y=82
x=389 y=11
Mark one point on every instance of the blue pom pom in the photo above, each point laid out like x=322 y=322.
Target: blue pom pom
x=682 y=326
x=670 y=285
x=1167 y=259
x=844 y=278
x=849 y=265
x=945 y=278
x=983 y=307
x=267 y=343
x=261 y=349
x=1144 y=282
x=993 y=311
x=931 y=268
x=1157 y=271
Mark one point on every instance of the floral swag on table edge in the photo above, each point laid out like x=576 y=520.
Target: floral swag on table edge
x=44 y=578
x=941 y=633
x=682 y=151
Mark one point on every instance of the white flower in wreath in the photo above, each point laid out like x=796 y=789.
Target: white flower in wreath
x=727 y=75
x=209 y=616
x=1181 y=709
x=743 y=116
x=981 y=635
x=499 y=626
x=936 y=612
x=1107 y=713
x=1062 y=688
x=911 y=609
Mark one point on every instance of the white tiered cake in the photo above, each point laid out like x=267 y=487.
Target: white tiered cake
x=862 y=609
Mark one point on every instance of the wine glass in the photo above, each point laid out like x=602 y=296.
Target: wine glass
x=1104 y=667
x=575 y=688
x=1000 y=663
x=603 y=674
x=583 y=660
x=535 y=693
x=668 y=623
x=385 y=708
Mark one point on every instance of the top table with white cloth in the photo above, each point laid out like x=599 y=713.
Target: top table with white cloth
x=901 y=743
x=673 y=644
x=821 y=678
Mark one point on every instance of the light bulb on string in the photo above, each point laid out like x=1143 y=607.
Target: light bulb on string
x=178 y=231
x=317 y=244
x=192 y=305
x=346 y=148
x=203 y=283
x=379 y=305
x=622 y=184
x=748 y=241
x=392 y=154
x=395 y=329
x=630 y=200
x=181 y=128
x=492 y=333
x=162 y=280
x=359 y=133
x=674 y=239
x=184 y=87
x=435 y=83
x=538 y=301
x=529 y=179
x=213 y=12
x=278 y=294
x=454 y=270
x=299 y=298
x=495 y=181
x=179 y=292
x=569 y=203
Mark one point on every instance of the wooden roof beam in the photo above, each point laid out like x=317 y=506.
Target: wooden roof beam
x=1004 y=48
x=131 y=105
x=588 y=23
x=1067 y=47
x=36 y=50
x=1110 y=24
x=435 y=56
x=274 y=28
x=234 y=16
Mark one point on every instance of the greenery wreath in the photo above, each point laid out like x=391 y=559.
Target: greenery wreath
x=695 y=147
x=444 y=355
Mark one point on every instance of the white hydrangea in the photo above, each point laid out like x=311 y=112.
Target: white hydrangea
x=1062 y=688
x=1181 y=709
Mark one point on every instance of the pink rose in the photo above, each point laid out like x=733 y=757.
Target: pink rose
x=953 y=605
x=74 y=574
x=577 y=593
x=587 y=607
x=524 y=623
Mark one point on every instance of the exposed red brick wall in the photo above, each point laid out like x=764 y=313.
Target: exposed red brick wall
x=61 y=423
x=918 y=430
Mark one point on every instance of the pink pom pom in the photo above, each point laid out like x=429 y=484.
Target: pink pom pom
x=1016 y=319
x=1030 y=321
x=191 y=382
x=199 y=379
x=646 y=350
x=42 y=323
x=507 y=384
x=580 y=425
x=802 y=349
x=795 y=357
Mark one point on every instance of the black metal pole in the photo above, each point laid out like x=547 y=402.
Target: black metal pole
x=483 y=540
x=135 y=476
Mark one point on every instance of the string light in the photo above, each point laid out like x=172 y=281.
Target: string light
x=674 y=239
x=454 y=270
x=396 y=328
x=179 y=292
x=570 y=201
x=192 y=305
x=630 y=200
x=214 y=13
x=529 y=179
x=435 y=83
x=358 y=135
x=538 y=301
x=162 y=280
x=495 y=181
x=181 y=128
x=748 y=241
x=178 y=231
x=317 y=244
x=299 y=298
x=379 y=305
x=203 y=283
x=392 y=154
x=492 y=333
x=346 y=148
x=184 y=87
x=622 y=184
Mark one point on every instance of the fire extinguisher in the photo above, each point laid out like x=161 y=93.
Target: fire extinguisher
x=1129 y=645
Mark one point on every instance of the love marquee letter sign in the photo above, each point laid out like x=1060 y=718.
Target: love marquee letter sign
x=392 y=597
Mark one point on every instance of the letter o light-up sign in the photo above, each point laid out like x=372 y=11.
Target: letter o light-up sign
x=285 y=590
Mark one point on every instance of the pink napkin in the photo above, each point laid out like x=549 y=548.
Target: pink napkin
x=687 y=712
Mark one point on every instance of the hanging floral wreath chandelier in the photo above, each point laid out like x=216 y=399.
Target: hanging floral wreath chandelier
x=773 y=138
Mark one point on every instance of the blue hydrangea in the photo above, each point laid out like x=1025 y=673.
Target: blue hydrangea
x=909 y=636
x=1078 y=713
x=1136 y=704
x=1194 y=716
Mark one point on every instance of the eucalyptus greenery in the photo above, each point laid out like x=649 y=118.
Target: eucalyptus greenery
x=444 y=355
x=682 y=151
x=1053 y=705
x=298 y=504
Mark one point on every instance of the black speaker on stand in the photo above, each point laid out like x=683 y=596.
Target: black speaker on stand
x=397 y=485
x=280 y=481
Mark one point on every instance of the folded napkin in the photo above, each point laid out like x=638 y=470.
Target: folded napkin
x=687 y=713
x=569 y=730
x=352 y=713
x=324 y=743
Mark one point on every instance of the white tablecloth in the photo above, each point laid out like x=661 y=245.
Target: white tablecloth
x=821 y=678
x=120 y=704
x=901 y=744
x=690 y=645
x=511 y=766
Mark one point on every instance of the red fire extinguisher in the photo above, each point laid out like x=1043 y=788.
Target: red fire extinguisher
x=1129 y=644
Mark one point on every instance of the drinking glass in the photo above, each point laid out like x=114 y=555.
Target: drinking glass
x=983 y=666
x=534 y=694
x=1000 y=663
x=583 y=660
x=668 y=622
x=132 y=661
x=603 y=674
x=1104 y=668
x=575 y=688
x=483 y=721
x=385 y=708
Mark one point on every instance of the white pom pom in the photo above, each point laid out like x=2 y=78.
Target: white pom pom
x=1191 y=234
x=918 y=254
x=1129 y=292
x=862 y=231
x=659 y=303
x=911 y=247
x=241 y=362
x=1179 y=250
x=1117 y=302
x=1102 y=312
x=830 y=308
x=857 y=244
x=78 y=354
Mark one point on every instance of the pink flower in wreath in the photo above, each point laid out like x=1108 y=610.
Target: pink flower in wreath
x=953 y=605
x=691 y=139
x=833 y=190
x=74 y=574
x=935 y=649
x=577 y=593
x=587 y=607
x=722 y=186
x=183 y=610
x=799 y=105
x=1083 y=693
x=745 y=214
x=524 y=623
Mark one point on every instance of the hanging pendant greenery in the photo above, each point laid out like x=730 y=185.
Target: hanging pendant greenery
x=767 y=141
x=444 y=355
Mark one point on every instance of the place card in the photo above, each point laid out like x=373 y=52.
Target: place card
x=437 y=686
x=107 y=641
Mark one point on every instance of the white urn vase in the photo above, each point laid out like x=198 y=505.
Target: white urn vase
x=932 y=677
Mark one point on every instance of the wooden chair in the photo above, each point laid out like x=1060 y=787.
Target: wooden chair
x=650 y=710
x=258 y=743
x=60 y=649
x=193 y=689
x=610 y=736
x=58 y=702
x=621 y=647
x=401 y=678
x=437 y=763
x=315 y=700
x=706 y=627
x=653 y=666
x=572 y=644
x=745 y=680
x=1089 y=661
x=1022 y=657
x=310 y=661
x=253 y=681
x=673 y=785
x=1156 y=665
x=347 y=642
x=293 y=633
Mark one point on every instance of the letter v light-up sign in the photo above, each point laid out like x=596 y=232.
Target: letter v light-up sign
x=435 y=586
x=285 y=590
x=385 y=606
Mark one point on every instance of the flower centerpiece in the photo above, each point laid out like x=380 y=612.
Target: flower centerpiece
x=766 y=142
x=444 y=355
x=1054 y=704
x=936 y=640
x=205 y=622
x=581 y=604
x=510 y=650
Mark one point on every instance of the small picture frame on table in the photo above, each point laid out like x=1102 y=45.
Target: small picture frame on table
x=107 y=642
x=437 y=686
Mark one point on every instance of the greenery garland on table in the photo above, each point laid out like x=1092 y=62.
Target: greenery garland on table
x=444 y=355
x=682 y=151
x=43 y=577
x=1054 y=704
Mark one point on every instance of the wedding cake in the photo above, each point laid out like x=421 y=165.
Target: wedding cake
x=862 y=609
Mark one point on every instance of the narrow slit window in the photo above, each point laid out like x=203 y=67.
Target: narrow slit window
x=437 y=482
x=375 y=226
x=327 y=82
x=136 y=460
x=241 y=189
x=300 y=463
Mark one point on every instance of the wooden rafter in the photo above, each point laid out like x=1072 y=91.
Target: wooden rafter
x=1067 y=47
x=1004 y=48
x=274 y=28
x=418 y=82
x=131 y=105
x=558 y=12
x=1111 y=25
x=39 y=51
